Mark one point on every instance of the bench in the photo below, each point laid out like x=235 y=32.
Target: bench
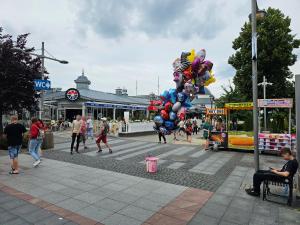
x=288 y=181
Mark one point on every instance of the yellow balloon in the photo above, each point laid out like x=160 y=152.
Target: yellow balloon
x=191 y=57
x=211 y=80
x=193 y=81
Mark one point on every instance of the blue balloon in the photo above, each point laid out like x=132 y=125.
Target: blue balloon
x=172 y=115
x=187 y=103
x=181 y=97
x=165 y=96
x=158 y=120
x=201 y=90
x=173 y=95
x=169 y=125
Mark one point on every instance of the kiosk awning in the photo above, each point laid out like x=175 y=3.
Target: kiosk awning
x=239 y=106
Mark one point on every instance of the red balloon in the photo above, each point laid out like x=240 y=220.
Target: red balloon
x=188 y=74
x=164 y=114
x=168 y=106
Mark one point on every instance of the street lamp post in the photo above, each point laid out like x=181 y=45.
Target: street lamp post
x=254 y=83
x=42 y=75
x=265 y=84
x=42 y=57
x=255 y=13
x=211 y=100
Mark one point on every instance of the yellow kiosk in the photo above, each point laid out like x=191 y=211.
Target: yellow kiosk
x=239 y=140
x=218 y=139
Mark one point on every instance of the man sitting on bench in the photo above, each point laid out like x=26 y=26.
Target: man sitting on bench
x=279 y=175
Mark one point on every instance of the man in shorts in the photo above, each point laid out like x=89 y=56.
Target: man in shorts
x=14 y=133
x=103 y=136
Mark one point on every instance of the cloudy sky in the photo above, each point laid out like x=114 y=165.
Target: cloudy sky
x=120 y=41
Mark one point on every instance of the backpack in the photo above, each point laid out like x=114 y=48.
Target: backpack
x=41 y=133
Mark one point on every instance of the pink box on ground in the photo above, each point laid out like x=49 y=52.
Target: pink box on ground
x=151 y=164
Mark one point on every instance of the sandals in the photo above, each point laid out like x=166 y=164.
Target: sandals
x=13 y=172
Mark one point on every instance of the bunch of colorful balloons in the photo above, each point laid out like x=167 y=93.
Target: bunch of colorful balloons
x=191 y=73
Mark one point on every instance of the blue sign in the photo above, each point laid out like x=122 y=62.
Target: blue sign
x=117 y=106
x=42 y=85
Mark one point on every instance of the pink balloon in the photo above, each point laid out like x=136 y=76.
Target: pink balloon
x=209 y=65
x=196 y=64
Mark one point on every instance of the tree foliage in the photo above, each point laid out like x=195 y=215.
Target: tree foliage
x=230 y=94
x=275 y=54
x=18 y=70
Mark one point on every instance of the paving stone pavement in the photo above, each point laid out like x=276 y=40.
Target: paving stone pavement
x=231 y=205
x=115 y=189
x=97 y=196
x=14 y=211
x=176 y=161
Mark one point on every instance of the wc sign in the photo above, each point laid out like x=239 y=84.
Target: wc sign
x=42 y=85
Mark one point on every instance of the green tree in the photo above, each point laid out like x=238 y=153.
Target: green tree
x=17 y=73
x=275 y=54
x=230 y=94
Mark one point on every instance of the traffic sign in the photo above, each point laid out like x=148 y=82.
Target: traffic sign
x=42 y=85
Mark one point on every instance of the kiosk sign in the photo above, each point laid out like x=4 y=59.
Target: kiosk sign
x=216 y=111
x=275 y=103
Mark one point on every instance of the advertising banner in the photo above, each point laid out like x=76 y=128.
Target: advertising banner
x=275 y=103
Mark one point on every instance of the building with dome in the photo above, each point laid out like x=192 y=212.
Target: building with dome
x=82 y=100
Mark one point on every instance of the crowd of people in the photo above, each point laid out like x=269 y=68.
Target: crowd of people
x=192 y=126
x=81 y=130
x=186 y=127
x=14 y=133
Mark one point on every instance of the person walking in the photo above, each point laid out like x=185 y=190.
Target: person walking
x=161 y=135
x=90 y=128
x=36 y=139
x=188 y=130
x=181 y=127
x=83 y=131
x=207 y=128
x=104 y=129
x=76 y=127
x=195 y=127
x=14 y=134
x=43 y=127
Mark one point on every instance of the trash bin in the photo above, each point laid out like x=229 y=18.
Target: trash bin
x=48 y=141
x=151 y=164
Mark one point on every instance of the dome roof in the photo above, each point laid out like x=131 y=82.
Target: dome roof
x=82 y=82
x=82 y=79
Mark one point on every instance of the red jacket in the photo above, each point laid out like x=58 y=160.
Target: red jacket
x=34 y=130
